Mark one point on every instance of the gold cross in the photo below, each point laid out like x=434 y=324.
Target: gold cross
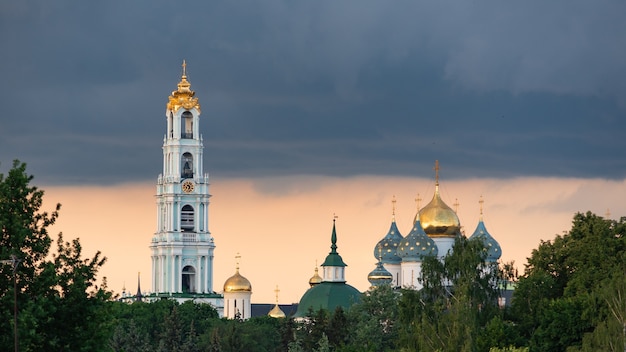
x=437 y=172
x=417 y=201
x=276 y=290
x=393 y=207
x=184 y=68
x=456 y=205
x=237 y=257
x=481 y=201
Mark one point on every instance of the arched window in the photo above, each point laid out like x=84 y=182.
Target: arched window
x=186 y=125
x=189 y=279
x=186 y=218
x=187 y=166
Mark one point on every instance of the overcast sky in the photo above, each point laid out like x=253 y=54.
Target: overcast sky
x=339 y=88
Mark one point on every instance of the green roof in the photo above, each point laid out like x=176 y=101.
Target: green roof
x=328 y=296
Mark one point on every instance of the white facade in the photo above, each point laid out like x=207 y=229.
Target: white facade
x=182 y=246
x=237 y=303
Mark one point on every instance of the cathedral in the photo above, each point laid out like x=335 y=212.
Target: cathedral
x=182 y=248
x=434 y=230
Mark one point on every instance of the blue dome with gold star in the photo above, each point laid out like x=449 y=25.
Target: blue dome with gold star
x=417 y=245
x=492 y=247
x=389 y=245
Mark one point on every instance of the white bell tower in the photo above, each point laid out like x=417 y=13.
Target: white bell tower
x=182 y=247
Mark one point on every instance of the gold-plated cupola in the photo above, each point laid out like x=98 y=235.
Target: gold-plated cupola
x=183 y=97
x=437 y=218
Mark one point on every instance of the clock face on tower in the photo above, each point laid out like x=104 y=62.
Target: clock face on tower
x=188 y=186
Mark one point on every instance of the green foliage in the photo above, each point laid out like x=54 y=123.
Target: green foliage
x=373 y=320
x=458 y=301
x=562 y=301
x=60 y=306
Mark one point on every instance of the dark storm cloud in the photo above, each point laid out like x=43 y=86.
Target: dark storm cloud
x=330 y=88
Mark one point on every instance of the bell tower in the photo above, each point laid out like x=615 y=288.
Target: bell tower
x=182 y=246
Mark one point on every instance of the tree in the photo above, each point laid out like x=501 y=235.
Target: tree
x=559 y=301
x=60 y=306
x=458 y=299
x=373 y=320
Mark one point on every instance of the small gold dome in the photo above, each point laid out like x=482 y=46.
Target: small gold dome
x=315 y=279
x=237 y=283
x=438 y=219
x=276 y=312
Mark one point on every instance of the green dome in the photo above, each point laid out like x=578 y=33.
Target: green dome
x=328 y=296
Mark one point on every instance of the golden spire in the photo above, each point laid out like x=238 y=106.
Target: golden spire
x=456 y=205
x=436 y=172
x=393 y=207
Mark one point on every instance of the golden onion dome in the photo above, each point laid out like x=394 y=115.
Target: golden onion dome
x=438 y=219
x=237 y=283
x=276 y=312
x=315 y=279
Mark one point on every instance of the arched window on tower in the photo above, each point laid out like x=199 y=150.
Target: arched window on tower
x=186 y=125
x=189 y=279
x=187 y=164
x=186 y=218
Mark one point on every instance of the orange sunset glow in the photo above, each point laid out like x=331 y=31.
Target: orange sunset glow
x=281 y=226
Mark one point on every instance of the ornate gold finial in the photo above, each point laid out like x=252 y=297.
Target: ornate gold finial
x=456 y=205
x=276 y=290
x=183 y=97
x=237 y=257
x=393 y=206
x=436 y=172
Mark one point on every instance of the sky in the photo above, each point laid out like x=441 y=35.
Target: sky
x=316 y=108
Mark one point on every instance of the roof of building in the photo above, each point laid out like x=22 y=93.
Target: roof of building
x=328 y=296
x=237 y=283
x=437 y=218
x=492 y=247
x=417 y=245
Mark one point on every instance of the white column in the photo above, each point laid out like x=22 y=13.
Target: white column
x=180 y=273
